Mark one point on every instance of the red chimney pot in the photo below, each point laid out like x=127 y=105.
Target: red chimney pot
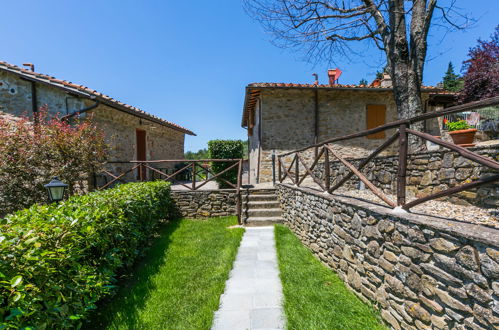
x=333 y=76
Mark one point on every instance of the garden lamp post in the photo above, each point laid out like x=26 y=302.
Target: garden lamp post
x=55 y=189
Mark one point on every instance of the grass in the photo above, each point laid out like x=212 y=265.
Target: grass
x=177 y=285
x=314 y=296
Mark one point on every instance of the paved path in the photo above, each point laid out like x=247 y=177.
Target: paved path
x=253 y=292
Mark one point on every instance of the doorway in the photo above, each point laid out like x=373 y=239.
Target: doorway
x=141 y=152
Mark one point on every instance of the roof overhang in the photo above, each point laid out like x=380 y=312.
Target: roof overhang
x=253 y=92
x=93 y=95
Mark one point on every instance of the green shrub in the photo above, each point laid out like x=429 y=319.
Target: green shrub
x=225 y=149
x=29 y=160
x=58 y=260
x=457 y=125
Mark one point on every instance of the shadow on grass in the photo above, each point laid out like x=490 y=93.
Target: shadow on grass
x=135 y=287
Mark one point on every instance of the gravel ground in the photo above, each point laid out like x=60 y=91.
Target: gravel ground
x=468 y=213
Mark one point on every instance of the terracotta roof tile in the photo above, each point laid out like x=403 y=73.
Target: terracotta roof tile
x=338 y=86
x=251 y=95
x=43 y=78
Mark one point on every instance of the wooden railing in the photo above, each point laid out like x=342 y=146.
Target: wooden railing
x=292 y=170
x=191 y=167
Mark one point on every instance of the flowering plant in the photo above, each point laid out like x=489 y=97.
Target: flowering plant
x=32 y=152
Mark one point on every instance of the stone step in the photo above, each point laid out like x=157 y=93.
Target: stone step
x=263 y=221
x=260 y=191
x=262 y=205
x=275 y=212
x=260 y=198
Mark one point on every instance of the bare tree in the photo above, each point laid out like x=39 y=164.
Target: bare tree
x=398 y=28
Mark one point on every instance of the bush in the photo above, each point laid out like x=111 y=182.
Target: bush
x=58 y=260
x=457 y=125
x=225 y=149
x=30 y=155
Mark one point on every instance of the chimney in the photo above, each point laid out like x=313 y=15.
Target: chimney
x=386 y=81
x=333 y=76
x=30 y=65
x=316 y=76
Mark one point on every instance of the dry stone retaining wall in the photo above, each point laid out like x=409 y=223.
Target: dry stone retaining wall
x=420 y=271
x=205 y=203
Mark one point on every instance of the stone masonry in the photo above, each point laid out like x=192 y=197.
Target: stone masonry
x=421 y=272
x=427 y=173
x=287 y=121
x=119 y=127
x=205 y=203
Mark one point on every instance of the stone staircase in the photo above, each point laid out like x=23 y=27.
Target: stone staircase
x=260 y=207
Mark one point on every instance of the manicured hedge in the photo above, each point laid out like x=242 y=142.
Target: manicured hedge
x=57 y=261
x=225 y=149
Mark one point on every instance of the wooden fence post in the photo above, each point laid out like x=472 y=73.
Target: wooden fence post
x=402 y=168
x=279 y=170
x=141 y=172
x=193 y=175
x=297 y=170
x=327 y=178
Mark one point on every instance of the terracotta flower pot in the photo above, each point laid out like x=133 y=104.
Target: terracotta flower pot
x=463 y=137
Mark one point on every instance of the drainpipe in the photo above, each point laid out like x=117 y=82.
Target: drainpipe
x=34 y=102
x=316 y=112
x=93 y=106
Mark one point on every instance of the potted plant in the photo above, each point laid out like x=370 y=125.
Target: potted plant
x=461 y=133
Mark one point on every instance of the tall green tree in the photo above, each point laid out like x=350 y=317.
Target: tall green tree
x=451 y=81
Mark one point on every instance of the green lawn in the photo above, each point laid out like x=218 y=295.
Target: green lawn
x=177 y=285
x=314 y=296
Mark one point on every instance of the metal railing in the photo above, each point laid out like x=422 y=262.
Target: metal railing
x=193 y=169
x=292 y=170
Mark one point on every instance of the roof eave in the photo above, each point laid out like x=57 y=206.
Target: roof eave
x=244 y=120
x=103 y=100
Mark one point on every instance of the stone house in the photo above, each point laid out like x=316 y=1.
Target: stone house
x=131 y=133
x=284 y=117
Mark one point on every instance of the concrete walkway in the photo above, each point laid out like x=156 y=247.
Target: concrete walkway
x=253 y=292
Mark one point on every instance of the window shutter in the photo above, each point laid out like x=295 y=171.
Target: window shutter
x=375 y=116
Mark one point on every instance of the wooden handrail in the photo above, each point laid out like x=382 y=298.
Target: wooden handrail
x=402 y=136
x=185 y=160
x=191 y=163
x=362 y=178
x=455 y=109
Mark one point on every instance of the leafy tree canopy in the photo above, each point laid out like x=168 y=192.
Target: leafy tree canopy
x=481 y=78
x=451 y=81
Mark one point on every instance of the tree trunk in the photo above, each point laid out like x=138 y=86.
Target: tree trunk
x=405 y=70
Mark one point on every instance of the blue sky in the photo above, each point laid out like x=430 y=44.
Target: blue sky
x=187 y=61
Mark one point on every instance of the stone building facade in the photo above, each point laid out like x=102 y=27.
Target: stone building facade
x=285 y=117
x=23 y=92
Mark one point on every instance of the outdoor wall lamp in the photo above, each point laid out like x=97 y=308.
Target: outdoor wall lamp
x=55 y=189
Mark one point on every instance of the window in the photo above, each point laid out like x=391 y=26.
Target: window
x=375 y=116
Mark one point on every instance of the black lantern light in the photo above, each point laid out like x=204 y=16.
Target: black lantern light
x=55 y=189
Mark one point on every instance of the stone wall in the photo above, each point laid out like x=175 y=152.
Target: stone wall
x=288 y=120
x=421 y=272
x=205 y=203
x=119 y=127
x=427 y=173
